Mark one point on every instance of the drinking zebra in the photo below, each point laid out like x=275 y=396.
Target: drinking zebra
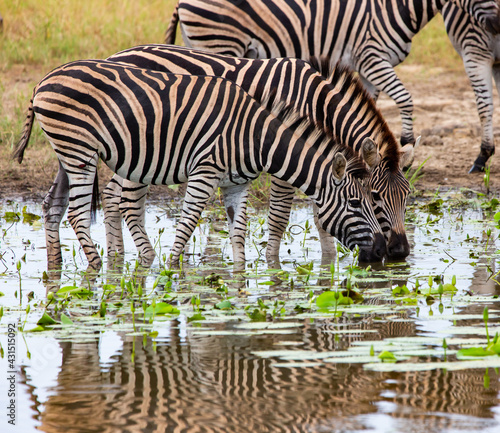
x=480 y=51
x=371 y=36
x=152 y=127
x=339 y=103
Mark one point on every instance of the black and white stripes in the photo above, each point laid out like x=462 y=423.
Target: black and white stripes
x=152 y=127
x=338 y=103
x=480 y=51
x=371 y=36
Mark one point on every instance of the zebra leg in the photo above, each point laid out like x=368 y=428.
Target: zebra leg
x=480 y=76
x=235 y=201
x=198 y=191
x=54 y=206
x=133 y=209
x=280 y=205
x=111 y=197
x=327 y=241
x=80 y=197
x=382 y=75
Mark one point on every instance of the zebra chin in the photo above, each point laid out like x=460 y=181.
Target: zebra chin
x=374 y=253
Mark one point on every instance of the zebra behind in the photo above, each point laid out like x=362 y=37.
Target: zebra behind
x=339 y=103
x=371 y=36
x=151 y=127
x=480 y=52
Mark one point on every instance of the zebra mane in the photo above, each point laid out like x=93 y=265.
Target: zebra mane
x=340 y=73
x=312 y=132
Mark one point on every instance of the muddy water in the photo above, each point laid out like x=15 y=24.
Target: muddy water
x=229 y=374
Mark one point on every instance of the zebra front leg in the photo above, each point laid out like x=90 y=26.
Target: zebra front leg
x=480 y=76
x=111 y=197
x=380 y=73
x=133 y=210
x=235 y=201
x=327 y=241
x=280 y=205
x=198 y=192
x=54 y=206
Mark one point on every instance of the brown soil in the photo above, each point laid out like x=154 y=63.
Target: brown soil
x=445 y=115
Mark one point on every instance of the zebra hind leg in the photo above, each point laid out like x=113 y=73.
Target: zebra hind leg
x=235 y=201
x=198 y=192
x=133 y=210
x=79 y=212
x=480 y=73
x=54 y=206
x=111 y=197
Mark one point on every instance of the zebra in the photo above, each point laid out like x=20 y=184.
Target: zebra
x=480 y=51
x=152 y=127
x=371 y=36
x=339 y=103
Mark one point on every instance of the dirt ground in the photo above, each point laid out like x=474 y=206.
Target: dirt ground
x=445 y=115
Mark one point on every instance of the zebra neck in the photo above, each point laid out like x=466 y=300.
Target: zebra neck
x=301 y=163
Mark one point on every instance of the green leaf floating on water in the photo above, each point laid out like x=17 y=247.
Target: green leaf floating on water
x=29 y=218
x=161 y=308
x=330 y=299
x=11 y=217
x=65 y=320
x=224 y=305
x=196 y=317
x=387 y=356
x=46 y=320
x=73 y=290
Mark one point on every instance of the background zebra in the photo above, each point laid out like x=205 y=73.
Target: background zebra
x=156 y=128
x=480 y=51
x=371 y=36
x=340 y=104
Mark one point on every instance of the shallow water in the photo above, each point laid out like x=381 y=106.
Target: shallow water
x=308 y=370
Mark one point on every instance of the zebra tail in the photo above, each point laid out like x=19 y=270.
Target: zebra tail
x=94 y=204
x=172 y=27
x=22 y=144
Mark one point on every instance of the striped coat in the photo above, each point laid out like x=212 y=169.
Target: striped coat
x=151 y=127
x=480 y=51
x=339 y=103
x=371 y=36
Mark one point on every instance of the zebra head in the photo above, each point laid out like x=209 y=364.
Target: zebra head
x=389 y=190
x=345 y=210
x=486 y=12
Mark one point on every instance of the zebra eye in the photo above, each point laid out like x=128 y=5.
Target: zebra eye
x=376 y=196
x=355 y=202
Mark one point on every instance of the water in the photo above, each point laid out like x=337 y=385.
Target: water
x=303 y=372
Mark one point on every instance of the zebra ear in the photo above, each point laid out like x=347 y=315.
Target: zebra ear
x=338 y=166
x=407 y=154
x=369 y=152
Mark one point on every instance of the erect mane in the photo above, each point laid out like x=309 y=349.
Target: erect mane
x=312 y=132
x=341 y=74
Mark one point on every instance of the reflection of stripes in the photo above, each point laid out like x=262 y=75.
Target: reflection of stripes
x=371 y=35
x=339 y=103
x=480 y=51
x=156 y=128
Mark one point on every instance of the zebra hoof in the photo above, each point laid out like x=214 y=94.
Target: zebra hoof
x=484 y=155
x=476 y=168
